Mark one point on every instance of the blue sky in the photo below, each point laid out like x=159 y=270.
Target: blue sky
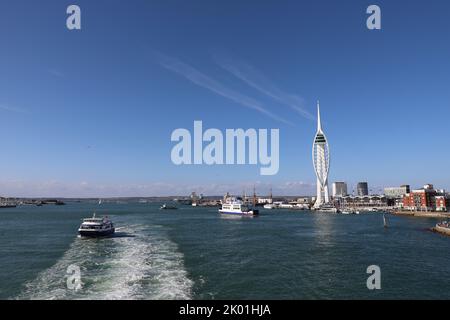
x=90 y=112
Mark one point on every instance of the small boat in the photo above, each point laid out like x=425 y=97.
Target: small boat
x=236 y=206
x=349 y=211
x=166 y=207
x=269 y=206
x=286 y=206
x=443 y=224
x=96 y=227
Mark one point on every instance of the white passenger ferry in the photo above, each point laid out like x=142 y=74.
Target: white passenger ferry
x=237 y=207
x=96 y=227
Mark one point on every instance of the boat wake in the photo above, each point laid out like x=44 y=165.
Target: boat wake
x=143 y=265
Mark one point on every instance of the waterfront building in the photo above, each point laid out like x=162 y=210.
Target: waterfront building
x=419 y=200
x=321 y=162
x=362 y=189
x=305 y=200
x=397 y=192
x=441 y=203
x=364 y=201
x=264 y=200
x=425 y=199
x=339 y=189
x=267 y=200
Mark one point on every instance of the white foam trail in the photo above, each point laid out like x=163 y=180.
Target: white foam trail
x=145 y=265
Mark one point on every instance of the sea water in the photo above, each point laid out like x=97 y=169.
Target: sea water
x=195 y=253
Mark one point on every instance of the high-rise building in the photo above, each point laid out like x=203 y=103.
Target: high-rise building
x=362 y=189
x=321 y=161
x=339 y=189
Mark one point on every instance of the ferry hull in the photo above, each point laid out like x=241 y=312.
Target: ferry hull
x=96 y=233
x=246 y=214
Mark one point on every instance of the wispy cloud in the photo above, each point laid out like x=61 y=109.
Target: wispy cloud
x=202 y=80
x=255 y=79
x=56 y=73
x=12 y=109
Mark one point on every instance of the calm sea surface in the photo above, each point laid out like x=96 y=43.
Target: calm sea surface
x=194 y=253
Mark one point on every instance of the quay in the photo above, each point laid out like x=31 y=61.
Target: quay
x=422 y=214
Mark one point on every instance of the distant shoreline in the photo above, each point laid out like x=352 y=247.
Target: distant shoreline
x=133 y=198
